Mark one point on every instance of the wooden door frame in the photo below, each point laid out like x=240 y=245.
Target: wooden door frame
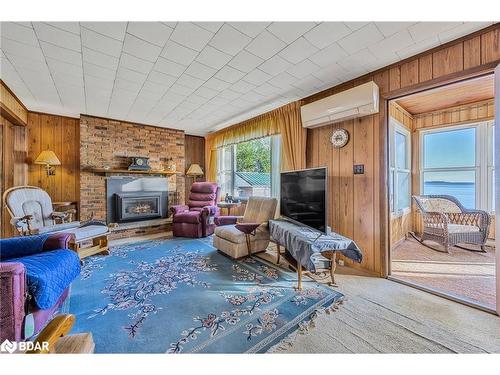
x=453 y=78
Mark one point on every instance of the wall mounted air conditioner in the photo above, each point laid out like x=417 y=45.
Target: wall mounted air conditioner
x=356 y=102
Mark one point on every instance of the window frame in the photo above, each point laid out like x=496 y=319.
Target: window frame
x=275 y=166
x=484 y=165
x=396 y=126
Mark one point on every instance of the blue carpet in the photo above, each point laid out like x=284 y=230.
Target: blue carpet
x=182 y=296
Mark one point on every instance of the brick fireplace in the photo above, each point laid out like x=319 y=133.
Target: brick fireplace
x=110 y=143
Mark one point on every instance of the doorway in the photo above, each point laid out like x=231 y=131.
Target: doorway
x=442 y=191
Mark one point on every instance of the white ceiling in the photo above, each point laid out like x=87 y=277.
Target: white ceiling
x=198 y=76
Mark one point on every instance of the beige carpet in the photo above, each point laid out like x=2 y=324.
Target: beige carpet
x=382 y=316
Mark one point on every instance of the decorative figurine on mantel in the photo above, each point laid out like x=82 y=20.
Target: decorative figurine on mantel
x=139 y=163
x=171 y=167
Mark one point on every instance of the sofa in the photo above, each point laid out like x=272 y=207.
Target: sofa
x=241 y=236
x=35 y=277
x=197 y=218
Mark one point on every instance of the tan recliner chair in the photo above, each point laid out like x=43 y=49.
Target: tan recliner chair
x=240 y=236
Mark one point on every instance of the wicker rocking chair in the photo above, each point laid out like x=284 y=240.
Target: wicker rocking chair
x=449 y=223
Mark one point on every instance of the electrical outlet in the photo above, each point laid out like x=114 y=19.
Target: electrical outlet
x=359 y=169
x=340 y=262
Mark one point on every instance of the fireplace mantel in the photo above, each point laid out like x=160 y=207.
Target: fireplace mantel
x=127 y=171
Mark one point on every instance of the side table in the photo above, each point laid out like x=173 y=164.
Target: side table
x=228 y=206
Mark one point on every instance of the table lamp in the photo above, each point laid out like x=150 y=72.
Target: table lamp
x=194 y=171
x=49 y=159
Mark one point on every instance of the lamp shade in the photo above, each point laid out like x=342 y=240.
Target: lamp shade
x=194 y=170
x=47 y=157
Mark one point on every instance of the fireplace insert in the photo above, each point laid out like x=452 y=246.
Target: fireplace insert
x=137 y=206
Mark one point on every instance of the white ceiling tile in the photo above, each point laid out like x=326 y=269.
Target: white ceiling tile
x=210 y=26
x=195 y=99
x=115 y=30
x=229 y=74
x=153 y=32
x=135 y=63
x=213 y=58
x=161 y=78
x=290 y=31
x=200 y=71
x=362 y=38
x=62 y=54
x=283 y=80
x=131 y=75
x=56 y=36
x=252 y=29
x=190 y=35
x=140 y=48
x=245 y=61
x=181 y=89
x=327 y=33
x=94 y=83
x=189 y=81
x=390 y=28
x=229 y=94
x=425 y=30
x=242 y=87
x=265 y=45
x=298 y=51
x=257 y=77
x=177 y=53
x=72 y=27
x=98 y=71
x=229 y=40
x=216 y=84
x=63 y=79
x=390 y=45
x=352 y=62
x=461 y=30
x=101 y=43
x=24 y=50
x=26 y=63
x=266 y=89
x=418 y=47
x=152 y=96
x=330 y=73
x=309 y=83
x=56 y=65
x=22 y=34
x=154 y=87
x=329 y=55
x=125 y=84
x=303 y=69
x=99 y=58
x=355 y=25
x=275 y=65
x=169 y=67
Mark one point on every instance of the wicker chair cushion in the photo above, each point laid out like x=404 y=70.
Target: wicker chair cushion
x=439 y=205
x=457 y=228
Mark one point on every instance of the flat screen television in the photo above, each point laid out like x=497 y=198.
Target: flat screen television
x=303 y=197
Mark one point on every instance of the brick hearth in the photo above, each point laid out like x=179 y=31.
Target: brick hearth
x=106 y=142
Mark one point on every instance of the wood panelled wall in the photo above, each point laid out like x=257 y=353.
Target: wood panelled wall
x=358 y=203
x=13 y=167
x=194 y=154
x=61 y=135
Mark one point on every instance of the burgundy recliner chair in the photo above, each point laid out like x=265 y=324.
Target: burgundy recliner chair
x=197 y=218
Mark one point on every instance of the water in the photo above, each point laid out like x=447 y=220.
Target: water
x=465 y=192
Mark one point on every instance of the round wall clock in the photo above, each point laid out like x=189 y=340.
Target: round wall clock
x=339 y=138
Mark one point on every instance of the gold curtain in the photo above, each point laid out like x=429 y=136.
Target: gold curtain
x=284 y=120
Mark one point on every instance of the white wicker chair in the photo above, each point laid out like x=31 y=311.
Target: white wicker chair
x=449 y=223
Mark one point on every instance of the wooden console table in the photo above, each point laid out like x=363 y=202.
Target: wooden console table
x=305 y=244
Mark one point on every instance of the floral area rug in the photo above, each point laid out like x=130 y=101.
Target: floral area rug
x=182 y=296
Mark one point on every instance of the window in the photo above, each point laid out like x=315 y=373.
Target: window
x=459 y=161
x=400 y=164
x=249 y=168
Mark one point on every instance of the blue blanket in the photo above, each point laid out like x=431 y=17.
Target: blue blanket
x=48 y=272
